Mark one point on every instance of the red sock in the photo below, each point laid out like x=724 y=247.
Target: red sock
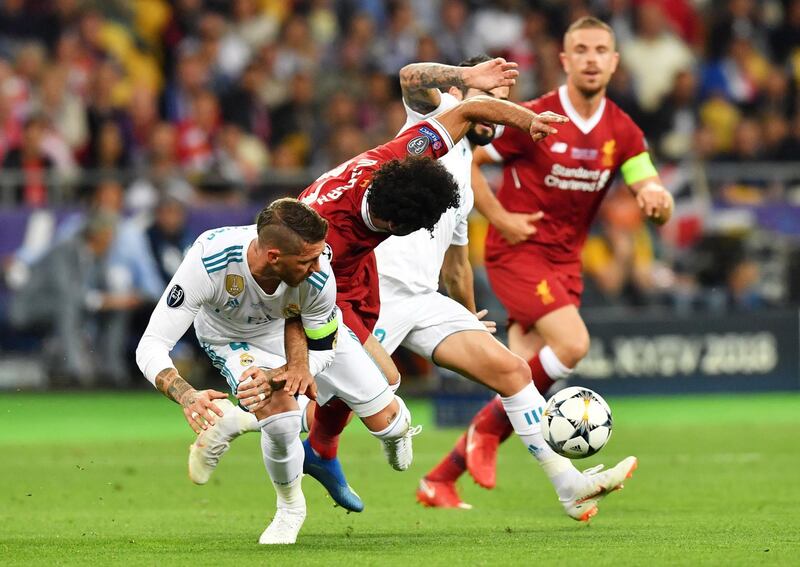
x=541 y=379
x=493 y=419
x=453 y=464
x=329 y=422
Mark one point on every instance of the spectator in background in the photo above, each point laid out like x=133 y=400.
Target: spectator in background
x=196 y=134
x=30 y=165
x=739 y=76
x=167 y=237
x=454 y=35
x=619 y=257
x=160 y=173
x=253 y=25
x=654 y=56
x=785 y=40
x=297 y=52
x=65 y=110
x=295 y=122
x=242 y=105
x=109 y=153
x=71 y=298
x=673 y=126
x=191 y=78
x=239 y=158
x=398 y=45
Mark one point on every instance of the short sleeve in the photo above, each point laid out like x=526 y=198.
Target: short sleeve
x=427 y=138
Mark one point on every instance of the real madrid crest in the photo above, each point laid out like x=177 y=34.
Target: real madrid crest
x=234 y=284
x=246 y=359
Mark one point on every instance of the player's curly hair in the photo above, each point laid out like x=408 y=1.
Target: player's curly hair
x=412 y=193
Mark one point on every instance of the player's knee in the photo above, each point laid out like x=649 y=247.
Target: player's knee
x=398 y=418
x=515 y=372
x=279 y=431
x=571 y=352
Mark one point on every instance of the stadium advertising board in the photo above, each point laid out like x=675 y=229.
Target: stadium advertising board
x=646 y=354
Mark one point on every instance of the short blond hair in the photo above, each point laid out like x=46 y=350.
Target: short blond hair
x=587 y=23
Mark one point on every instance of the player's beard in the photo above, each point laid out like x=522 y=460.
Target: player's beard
x=477 y=139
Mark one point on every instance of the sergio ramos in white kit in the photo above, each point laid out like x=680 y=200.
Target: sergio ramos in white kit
x=238 y=285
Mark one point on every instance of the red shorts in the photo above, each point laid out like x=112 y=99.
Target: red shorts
x=530 y=287
x=359 y=300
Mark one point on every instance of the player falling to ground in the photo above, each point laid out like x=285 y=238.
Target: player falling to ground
x=238 y=285
x=395 y=189
x=540 y=218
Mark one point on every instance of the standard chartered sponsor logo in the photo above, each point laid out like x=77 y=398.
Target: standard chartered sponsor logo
x=577 y=178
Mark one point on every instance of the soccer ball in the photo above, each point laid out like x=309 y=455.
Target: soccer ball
x=576 y=422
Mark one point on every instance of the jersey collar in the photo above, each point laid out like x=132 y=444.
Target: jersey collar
x=365 y=213
x=583 y=125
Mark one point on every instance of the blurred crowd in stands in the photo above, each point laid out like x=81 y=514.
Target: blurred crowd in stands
x=130 y=115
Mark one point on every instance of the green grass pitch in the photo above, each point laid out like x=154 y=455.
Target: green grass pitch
x=101 y=479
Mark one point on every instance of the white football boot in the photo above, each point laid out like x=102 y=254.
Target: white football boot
x=400 y=452
x=598 y=483
x=284 y=527
x=212 y=443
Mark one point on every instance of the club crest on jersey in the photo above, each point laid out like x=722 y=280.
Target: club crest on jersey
x=175 y=296
x=544 y=293
x=234 y=284
x=291 y=310
x=246 y=359
x=609 y=149
x=417 y=146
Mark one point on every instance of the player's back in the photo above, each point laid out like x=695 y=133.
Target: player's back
x=340 y=196
x=413 y=262
x=565 y=176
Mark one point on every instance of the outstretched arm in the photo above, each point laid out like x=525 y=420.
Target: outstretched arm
x=420 y=82
x=482 y=108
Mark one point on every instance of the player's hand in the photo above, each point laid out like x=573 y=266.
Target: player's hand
x=491 y=74
x=491 y=326
x=541 y=125
x=655 y=202
x=298 y=380
x=199 y=408
x=256 y=386
x=518 y=227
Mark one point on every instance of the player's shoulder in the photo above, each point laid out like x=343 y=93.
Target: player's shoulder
x=223 y=246
x=548 y=101
x=323 y=278
x=617 y=116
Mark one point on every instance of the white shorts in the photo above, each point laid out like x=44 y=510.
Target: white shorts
x=420 y=322
x=353 y=376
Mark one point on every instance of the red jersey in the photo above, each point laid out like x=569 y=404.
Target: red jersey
x=566 y=175
x=340 y=197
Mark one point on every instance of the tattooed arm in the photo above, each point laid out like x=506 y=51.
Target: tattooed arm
x=199 y=408
x=421 y=82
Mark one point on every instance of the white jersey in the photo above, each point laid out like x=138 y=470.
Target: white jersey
x=214 y=288
x=413 y=262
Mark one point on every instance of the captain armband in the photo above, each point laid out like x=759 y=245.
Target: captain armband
x=323 y=338
x=637 y=168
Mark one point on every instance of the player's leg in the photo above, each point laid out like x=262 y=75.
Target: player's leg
x=530 y=291
x=565 y=341
x=355 y=379
x=231 y=359
x=283 y=455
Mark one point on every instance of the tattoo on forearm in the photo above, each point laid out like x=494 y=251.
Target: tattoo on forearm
x=418 y=78
x=172 y=385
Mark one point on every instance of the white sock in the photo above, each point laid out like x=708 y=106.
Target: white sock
x=303 y=402
x=283 y=456
x=399 y=426
x=524 y=410
x=552 y=365
x=247 y=421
